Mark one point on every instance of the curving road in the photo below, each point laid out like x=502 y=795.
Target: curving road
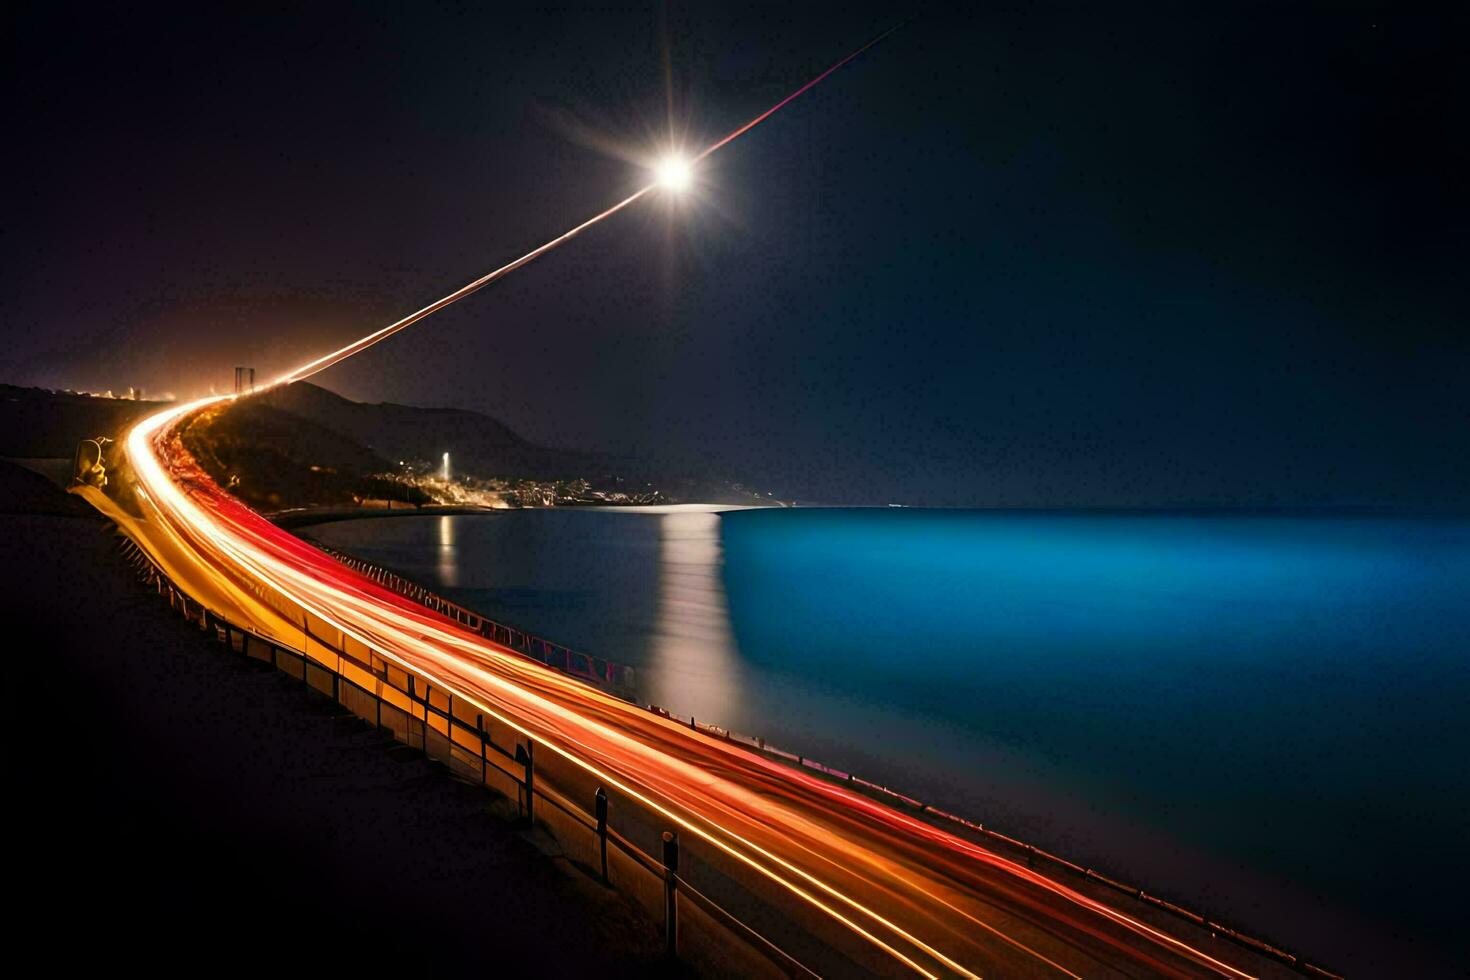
x=876 y=891
x=892 y=894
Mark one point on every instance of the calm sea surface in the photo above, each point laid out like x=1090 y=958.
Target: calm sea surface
x=1265 y=717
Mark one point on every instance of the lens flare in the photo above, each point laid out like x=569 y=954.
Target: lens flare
x=674 y=173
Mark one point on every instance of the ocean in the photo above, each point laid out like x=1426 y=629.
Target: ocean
x=1262 y=717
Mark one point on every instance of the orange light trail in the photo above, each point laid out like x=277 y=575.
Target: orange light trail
x=927 y=901
x=911 y=890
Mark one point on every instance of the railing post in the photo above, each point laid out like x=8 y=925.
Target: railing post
x=671 y=906
x=424 y=735
x=602 y=829
x=480 y=725
x=524 y=755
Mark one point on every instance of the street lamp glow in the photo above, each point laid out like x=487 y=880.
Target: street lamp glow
x=674 y=173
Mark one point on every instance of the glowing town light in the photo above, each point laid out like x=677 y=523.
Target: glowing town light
x=674 y=173
x=444 y=469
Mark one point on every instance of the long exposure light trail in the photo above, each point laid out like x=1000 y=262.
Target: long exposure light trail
x=919 y=898
x=327 y=360
x=409 y=631
x=363 y=343
x=843 y=854
x=790 y=98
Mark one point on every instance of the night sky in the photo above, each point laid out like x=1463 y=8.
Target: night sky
x=1028 y=256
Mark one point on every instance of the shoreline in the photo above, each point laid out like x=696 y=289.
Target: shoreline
x=302 y=517
x=293 y=519
x=307 y=516
x=521 y=605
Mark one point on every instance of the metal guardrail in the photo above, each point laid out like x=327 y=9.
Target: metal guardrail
x=424 y=717
x=1028 y=852
x=613 y=677
x=434 y=721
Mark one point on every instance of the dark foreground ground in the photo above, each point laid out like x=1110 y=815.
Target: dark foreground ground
x=176 y=808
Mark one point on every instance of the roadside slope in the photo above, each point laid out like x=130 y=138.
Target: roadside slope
x=182 y=809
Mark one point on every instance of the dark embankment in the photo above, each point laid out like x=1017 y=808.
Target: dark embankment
x=39 y=423
x=176 y=808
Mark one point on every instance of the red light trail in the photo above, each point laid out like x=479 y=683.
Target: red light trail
x=934 y=903
x=925 y=900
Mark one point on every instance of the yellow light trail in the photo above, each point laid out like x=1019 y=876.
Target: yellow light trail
x=828 y=847
x=912 y=891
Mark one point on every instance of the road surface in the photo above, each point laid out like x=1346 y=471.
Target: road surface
x=890 y=894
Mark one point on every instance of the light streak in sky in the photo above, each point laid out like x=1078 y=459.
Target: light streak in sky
x=363 y=343
x=673 y=173
x=792 y=97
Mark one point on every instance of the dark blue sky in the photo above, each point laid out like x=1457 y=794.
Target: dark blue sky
x=1031 y=256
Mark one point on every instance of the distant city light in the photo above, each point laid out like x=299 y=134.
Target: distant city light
x=674 y=173
x=444 y=470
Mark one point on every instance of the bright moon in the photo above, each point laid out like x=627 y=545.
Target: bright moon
x=674 y=173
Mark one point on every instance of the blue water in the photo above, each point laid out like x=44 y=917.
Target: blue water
x=1264 y=717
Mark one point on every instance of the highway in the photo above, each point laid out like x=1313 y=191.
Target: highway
x=896 y=895
x=881 y=892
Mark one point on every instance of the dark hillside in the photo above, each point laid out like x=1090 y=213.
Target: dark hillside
x=385 y=421
x=202 y=815
x=478 y=444
x=270 y=459
x=38 y=423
